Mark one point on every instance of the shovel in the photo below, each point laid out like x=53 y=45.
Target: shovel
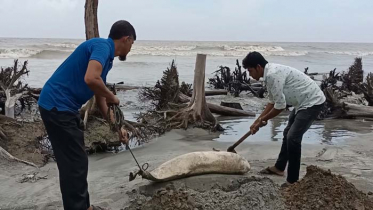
x=231 y=148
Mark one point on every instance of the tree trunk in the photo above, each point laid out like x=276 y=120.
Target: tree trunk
x=91 y=31
x=197 y=103
x=197 y=111
x=90 y=19
x=10 y=103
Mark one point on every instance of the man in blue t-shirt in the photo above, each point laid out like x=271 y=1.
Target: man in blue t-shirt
x=80 y=77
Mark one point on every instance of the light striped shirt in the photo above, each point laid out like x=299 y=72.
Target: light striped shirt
x=289 y=86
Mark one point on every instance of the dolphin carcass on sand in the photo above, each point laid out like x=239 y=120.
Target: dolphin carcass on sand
x=197 y=163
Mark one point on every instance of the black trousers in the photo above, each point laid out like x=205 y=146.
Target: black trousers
x=291 y=147
x=67 y=139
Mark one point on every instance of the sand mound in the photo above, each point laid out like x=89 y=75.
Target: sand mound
x=243 y=193
x=321 y=189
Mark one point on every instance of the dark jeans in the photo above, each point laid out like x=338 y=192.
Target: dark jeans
x=292 y=142
x=67 y=139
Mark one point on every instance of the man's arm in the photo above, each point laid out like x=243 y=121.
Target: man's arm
x=273 y=113
x=96 y=84
x=275 y=87
x=102 y=106
x=268 y=108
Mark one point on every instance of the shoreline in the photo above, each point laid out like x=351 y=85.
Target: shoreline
x=108 y=173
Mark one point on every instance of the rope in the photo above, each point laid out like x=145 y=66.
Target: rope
x=116 y=124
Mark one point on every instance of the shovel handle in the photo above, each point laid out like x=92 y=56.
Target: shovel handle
x=240 y=140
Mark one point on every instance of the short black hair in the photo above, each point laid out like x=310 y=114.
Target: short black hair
x=122 y=28
x=253 y=59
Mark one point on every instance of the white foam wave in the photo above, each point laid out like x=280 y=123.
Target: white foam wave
x=63 y=45
x=210 y=48
x=215 y=53
x=163 y=48
x=254 y=48
x=354 y=53
x=18 y=53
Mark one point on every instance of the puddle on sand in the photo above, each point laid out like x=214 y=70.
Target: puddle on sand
x=324 y=131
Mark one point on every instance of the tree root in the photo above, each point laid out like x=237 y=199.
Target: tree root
x=8 y=156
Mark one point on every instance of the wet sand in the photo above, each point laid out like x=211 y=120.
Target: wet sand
x=343 y=146
x=108 y=173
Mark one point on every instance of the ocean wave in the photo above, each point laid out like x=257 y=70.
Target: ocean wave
x=217 y=53
x=164 y=48
x=18 y=53
x=210 y=48
x=62 y=45
x=253 y=48
x=354 y=53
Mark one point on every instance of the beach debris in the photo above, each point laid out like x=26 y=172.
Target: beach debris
x=173 y=108
x=235 y=81
x=13 y=90
x=32 y=178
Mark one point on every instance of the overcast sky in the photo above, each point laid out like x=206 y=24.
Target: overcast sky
x=215 y=20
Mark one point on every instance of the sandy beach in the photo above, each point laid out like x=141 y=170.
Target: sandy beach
x=108 y=172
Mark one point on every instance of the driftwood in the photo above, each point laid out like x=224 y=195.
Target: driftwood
x=367 y=88
x=233 y=105
x=338 y=109
x=357 y=111
x=235 y=82
x=212 y=92
x=122 y=87
x=215 y=92
x=12 y=86
x=172 y=108
x=6 y=155
x=165 y=90
x=354 y=77
x=225 y=111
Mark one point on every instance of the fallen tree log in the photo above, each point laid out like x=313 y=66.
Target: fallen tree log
x=226 y=111
x=357 y=111
x=214 y=92
x=122 y=87
x=233 y=105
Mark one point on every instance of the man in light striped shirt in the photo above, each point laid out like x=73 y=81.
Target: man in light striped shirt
x=286 y=86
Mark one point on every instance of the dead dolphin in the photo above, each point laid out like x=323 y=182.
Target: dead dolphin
x=197 y=163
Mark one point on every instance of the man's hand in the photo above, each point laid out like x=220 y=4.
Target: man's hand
x=123 y=136
x=112 y=100
x=257 y=125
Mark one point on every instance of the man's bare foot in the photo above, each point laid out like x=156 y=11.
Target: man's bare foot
x=95 y=208
x=272 y=170
x=286 y=184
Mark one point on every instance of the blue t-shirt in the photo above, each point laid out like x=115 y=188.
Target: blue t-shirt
x=66 y=90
